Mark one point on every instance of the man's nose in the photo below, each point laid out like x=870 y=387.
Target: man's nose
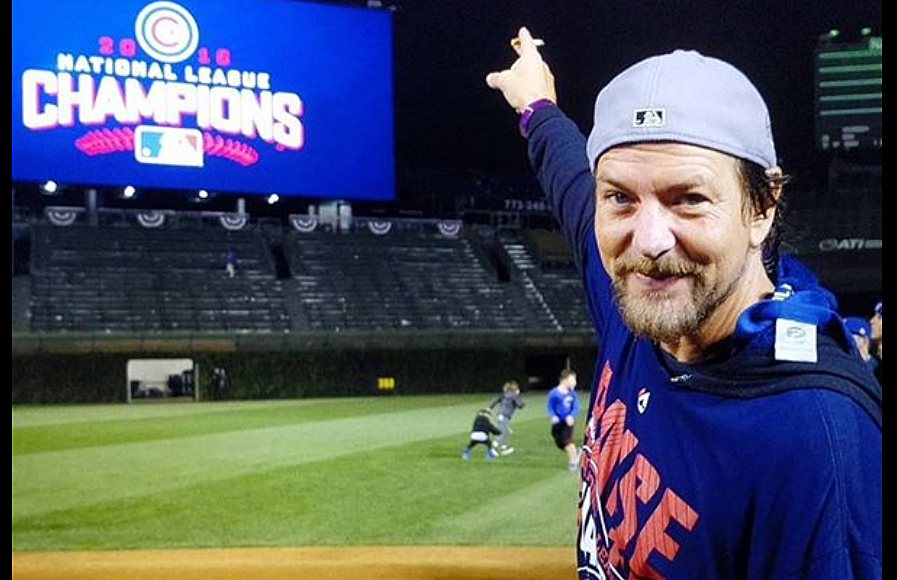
x=653 y=235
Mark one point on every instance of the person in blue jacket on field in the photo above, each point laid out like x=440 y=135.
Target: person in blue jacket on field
x=732 y=432
x=562 y=407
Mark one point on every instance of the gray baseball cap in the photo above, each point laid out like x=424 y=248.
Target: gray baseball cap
x=684 y=97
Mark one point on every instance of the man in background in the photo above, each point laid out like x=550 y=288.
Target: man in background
x=562 y=407
x=861 y=331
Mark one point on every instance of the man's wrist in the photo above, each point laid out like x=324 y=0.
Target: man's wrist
x=527 y=114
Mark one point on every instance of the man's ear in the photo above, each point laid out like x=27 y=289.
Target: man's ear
x=762 y=221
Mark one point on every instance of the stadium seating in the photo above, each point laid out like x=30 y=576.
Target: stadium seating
x=549 y=276
x=136 y=279
x=126 y=278
x=406 y=279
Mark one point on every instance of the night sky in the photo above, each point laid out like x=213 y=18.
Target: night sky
x=449 y=124
x=447 y=118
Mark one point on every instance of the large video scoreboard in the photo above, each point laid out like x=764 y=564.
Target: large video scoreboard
x=848 y=95
x=253 y=96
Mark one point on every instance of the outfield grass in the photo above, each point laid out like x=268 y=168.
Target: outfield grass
x=363 y=471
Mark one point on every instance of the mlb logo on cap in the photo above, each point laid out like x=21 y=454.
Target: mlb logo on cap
x=649 y=118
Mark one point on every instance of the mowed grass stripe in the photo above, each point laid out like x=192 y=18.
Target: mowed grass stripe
x=29 y=416
x=416 y=491
x=541 y=514
x=56 y=480
x=125 y=424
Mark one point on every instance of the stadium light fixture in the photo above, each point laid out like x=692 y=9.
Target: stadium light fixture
x=828 y=37
x=49 y=187
x=200 y=196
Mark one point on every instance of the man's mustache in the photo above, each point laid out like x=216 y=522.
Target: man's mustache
x=662 y=267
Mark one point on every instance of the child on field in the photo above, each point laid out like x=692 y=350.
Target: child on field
x=505 y=405
x=481 y=433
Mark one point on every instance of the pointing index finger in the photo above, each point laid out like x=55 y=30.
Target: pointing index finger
x=525 y=44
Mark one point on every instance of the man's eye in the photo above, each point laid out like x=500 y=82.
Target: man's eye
x=693 y=199
x=619 y=197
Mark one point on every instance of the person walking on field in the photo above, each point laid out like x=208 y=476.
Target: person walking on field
x=505 y=406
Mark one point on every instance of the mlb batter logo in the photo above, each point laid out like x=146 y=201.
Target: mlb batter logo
x=168 y=146
x=644 y=118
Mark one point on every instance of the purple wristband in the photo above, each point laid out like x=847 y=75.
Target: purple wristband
x=527 y=113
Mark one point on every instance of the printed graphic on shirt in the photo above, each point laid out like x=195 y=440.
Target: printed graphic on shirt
x=625 y=509
x=644 y=395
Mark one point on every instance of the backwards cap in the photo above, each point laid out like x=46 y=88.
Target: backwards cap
x=858 y=326
x=684 y=97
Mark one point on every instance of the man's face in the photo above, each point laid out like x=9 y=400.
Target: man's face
x=862 y=343
x=673 y=232
x=875 y=324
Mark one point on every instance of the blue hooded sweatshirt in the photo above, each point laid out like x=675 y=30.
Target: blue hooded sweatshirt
x=740 y=466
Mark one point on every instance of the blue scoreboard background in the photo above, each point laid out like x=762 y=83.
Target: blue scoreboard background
x=252 y=96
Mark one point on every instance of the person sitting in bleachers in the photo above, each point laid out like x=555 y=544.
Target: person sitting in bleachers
x=231 y=262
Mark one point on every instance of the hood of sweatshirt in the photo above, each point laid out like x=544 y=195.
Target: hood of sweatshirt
x=751 y=363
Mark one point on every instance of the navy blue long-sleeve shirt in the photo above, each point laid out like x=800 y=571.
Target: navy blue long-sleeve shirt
x=745 y=467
